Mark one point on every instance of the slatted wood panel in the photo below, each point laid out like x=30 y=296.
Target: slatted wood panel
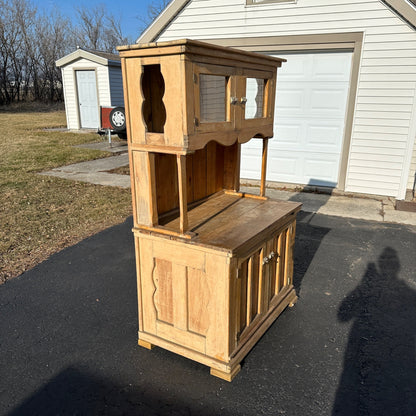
x=261 y=278
x=208 y=171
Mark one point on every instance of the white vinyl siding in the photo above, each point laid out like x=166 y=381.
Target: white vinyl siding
x=383 y=122
x=412 y=177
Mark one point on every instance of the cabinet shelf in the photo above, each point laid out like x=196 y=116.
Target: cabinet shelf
x=234 y=223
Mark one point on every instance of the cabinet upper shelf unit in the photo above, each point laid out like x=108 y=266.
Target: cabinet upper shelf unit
x=191 y=92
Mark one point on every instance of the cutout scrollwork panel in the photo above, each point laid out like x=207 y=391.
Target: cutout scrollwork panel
x=153 y=89
x=254 y=100
x=163 y=296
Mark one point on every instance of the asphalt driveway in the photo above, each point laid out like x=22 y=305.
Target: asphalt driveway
x=68 y=334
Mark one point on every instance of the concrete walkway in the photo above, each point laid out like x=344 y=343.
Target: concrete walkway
x=95 y=171
x=382 y=210
x=347 y=207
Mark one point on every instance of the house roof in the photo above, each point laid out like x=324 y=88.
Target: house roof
x=404 y=8
x=99 y=57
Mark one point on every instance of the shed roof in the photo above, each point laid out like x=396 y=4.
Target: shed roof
x=99 y=57
x=406 y=9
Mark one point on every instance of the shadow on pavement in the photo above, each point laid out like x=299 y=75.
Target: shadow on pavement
x=77 y=392
x=308 y=236
x=379 y=375
x=308 y=239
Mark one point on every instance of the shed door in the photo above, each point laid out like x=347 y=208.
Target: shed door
x=87 y=99
x=311 y=100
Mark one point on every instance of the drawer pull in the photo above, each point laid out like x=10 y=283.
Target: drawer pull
x=269 y=258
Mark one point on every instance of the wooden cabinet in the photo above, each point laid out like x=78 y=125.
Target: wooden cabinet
x=214 y=265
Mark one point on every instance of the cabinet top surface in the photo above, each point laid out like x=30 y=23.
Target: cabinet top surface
x=231 y=223
x=183 y=46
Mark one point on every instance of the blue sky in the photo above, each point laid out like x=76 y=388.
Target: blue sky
x=126 y=10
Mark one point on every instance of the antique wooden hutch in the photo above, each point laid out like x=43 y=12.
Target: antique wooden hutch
x=214 y=265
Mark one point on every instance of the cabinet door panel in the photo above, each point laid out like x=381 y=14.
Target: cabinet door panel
x=213 y=87
x=256 y=90
x=261 y=280
x=184 y=296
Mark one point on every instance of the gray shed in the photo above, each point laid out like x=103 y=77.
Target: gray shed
x=90 y=79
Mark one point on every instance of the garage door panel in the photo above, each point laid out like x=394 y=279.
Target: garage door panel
x=331 y=66
x=323 y=138
x=290 y=100
x=296 y=68
x=311 y=101
x=316 y=170
x=328 y=102
x=288 y=135
x=252 y=161
x=282 y=166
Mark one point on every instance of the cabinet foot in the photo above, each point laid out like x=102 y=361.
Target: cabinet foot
x=145 y=344
x=293 y=302
x=224 y=375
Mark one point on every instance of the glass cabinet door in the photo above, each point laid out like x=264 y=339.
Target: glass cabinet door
x=214 y=86
x=212 y=98
x=254 y=106
x=226 y=99
x=257 y=98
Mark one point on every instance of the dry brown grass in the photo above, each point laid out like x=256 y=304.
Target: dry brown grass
x=40 y=215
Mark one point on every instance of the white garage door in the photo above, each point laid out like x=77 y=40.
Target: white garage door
x=311 y=100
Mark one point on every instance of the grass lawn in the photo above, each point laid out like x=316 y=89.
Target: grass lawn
x=40 y=215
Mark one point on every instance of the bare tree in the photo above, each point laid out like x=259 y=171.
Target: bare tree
x=52 y=42
x=153 y=11
x=16 y=21
x=91 y=26
x=98 y=29
x=155 y=8
x=113 y=35
x=31 y=43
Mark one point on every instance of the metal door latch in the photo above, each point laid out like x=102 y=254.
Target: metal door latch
x=269 y=258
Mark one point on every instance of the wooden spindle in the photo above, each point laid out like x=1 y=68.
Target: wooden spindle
x=183 y=202
x=264 y=167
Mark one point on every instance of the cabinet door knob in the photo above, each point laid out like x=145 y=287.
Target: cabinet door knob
x=234 y=100
x=243 y=100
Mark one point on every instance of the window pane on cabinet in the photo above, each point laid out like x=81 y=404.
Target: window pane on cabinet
x=212 y=95
x=255 y=98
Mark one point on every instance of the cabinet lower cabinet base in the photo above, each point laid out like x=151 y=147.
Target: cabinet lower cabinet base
x=222 y=369
x=227 y=376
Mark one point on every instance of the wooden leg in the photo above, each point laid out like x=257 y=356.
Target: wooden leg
x=224 y=375
x=145 y=344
